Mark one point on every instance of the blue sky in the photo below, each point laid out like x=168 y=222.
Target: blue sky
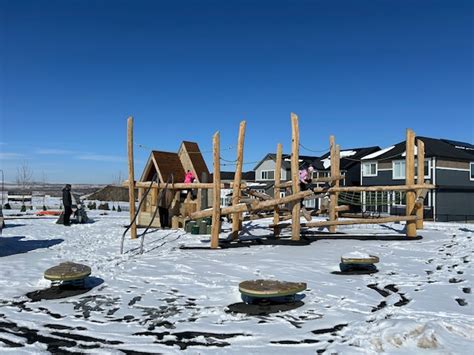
x=72 y=71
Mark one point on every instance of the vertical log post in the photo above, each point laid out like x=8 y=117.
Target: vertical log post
x=236 y=217
x=333 y=196
x=276 y=190
x=337 y=168
x=410 y=180
x=420 y=180
x=216 y=200
x=131 y=177
x=295 y=145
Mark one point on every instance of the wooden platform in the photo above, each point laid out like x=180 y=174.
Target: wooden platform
x=372 y=259
x=270 y=288
x=67 y=271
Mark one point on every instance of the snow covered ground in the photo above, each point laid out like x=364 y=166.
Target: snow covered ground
x=171 y=299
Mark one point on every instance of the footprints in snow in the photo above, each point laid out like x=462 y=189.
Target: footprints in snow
x=387 y=291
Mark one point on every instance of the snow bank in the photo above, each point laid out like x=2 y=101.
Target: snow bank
x=170 y=299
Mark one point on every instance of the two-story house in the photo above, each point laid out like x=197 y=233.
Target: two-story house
x=350 y=167
x=448 y=164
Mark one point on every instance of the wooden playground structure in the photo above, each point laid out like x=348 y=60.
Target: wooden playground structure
x=415 y=191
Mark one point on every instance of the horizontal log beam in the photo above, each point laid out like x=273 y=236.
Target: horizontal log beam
x=374 y=188
x=342 y=208
x=314 y=181
x=180 y=185
x=257 y=205
x=352 y=221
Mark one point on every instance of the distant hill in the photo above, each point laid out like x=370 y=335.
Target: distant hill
x=109 y=193
x=54 y=190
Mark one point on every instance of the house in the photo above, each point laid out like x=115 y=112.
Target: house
x=227 y=178
x=350 y=166
x=265 y=170
x=448 y=164
x=171 y=167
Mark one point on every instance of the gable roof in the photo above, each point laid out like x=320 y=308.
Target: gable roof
x=434 y=147
x=166 y=164
x=196 y=158
x=286 y=161
x=354 y=156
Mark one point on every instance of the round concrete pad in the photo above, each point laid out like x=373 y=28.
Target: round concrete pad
x=372 y=259
x=67 y=271
x=270 y=288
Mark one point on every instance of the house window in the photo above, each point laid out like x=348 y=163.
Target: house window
x=399 y=198
x=369 y=169
x=267 y=175
x=427 y=170
x=320 y=174
x=398 y=169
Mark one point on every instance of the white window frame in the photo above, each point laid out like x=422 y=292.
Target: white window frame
x=393 y=170
x=403 y=162
x=471 y=165
x=429 y=169
x=394 y=198
x=266 y=178
x=370 y=174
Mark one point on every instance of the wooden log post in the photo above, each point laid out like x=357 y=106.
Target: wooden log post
x=420 y=181
x=333 y=195
x=236 y=217
x=410 y=180
x=276 y=190
x=131 y=177
x=216 y=200
x=295 y=145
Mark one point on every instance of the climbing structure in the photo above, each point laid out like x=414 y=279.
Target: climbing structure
x=332 y=191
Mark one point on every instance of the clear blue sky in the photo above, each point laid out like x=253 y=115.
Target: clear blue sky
x=72 y=71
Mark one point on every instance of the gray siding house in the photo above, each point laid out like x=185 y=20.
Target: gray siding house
x=448 y=164
x=350 y=165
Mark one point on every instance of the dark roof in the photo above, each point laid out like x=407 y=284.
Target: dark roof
x=229 y=175
x=169 y=163
x=286 y=163
x=248 y=175
x=197 y=160
x=434 y=147
x=346 y=163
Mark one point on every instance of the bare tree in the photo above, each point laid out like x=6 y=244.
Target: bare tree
x=118 y=179
x=24 y=179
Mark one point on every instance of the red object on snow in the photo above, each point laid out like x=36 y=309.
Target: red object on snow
x=48 y=213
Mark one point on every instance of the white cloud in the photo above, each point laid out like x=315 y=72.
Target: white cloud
x=47 y=151
x=100 y=157
x=11 y=155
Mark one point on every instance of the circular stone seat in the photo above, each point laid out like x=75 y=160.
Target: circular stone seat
x=270 y=288
x=67 y=271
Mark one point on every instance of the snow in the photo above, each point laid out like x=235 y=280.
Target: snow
x=415 y=150
x=171 y=298
x=343 y=154
x=356 y=255
x=378 y=153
